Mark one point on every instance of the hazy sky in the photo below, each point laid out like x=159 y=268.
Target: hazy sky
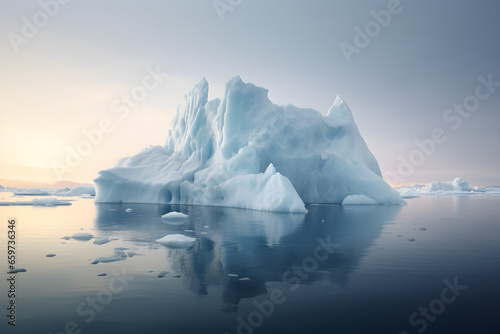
x=62 y=72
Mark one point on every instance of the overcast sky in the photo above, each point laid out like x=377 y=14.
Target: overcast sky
x=399 y=76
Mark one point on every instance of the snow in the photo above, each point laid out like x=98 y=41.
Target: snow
x=51 y=201
x=358 y=200
x=82 y=236
x=176 y=241
x=174 y=216
x=244 y=151
x=458 y=186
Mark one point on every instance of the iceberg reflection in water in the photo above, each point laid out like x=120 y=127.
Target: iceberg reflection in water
x=242 y=250
x=348 y=269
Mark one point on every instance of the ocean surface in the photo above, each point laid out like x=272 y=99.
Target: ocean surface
x=432 y=266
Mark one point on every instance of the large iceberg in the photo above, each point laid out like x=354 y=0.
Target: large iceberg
x=244 y=151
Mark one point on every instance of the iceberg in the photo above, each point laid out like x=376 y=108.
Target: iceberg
x=244 y=151
x=457 y=187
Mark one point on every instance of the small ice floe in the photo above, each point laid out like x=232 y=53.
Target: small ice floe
x=411 y=239
x=103 y=274
x=32 y=192
x=119 y=255
x=206 y=226
x=127 y=210
x=66 y=238
x=191 y=231
x=174 y=216
x=162 y=274
x=18 y=270
x=102 y=241
x=422 y=229
x=322 y=220
x=244 y=279
x=52 y=201
x=176 y=241
x=82 y=236
x=111 y=209
x=50 y=255
x=232 y=275
x=132 y=254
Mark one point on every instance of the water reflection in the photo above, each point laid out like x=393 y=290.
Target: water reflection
x=243 y=250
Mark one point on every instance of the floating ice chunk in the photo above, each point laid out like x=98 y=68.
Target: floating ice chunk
x=51 y=201
x=119 y=255
x=18 y=270
x=244 y=279
x=132 y=254
x=102 y=241
x=82 y=236
x=81 y=190
x=162 y=274
x=50 y=255
x=128 y=210
x=176 y=241
x=232 y=275
x=174 y=216
x=32 y=192
x=358 y=200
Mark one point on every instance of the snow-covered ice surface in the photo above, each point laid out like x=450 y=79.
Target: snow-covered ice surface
x=244 y=151
x=457 y=187
x=176 y=241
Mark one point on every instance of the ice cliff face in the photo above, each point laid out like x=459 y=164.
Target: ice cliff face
x=244 y=151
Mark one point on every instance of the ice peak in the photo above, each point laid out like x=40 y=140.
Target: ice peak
x=340 y=111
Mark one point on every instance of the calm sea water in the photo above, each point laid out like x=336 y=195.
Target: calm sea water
x=432 y=266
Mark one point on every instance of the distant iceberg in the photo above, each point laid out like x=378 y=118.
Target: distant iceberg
x=244 y=151
x=458 y=186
